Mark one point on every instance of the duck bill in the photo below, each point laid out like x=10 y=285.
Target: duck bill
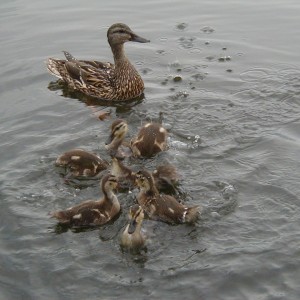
x=132 y=226
x=139 y=39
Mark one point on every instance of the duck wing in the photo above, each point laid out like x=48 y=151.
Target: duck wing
x=83 y=214
x=163 y=208
x=82 y=73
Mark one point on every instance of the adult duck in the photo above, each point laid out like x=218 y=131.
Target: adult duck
x=116 y=82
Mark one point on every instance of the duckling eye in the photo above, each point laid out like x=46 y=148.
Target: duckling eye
x=118 y=128
x=122 y=31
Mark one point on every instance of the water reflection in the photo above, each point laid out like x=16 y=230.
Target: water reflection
x=121 y=106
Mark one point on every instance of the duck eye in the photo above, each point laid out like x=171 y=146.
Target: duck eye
x=122 y=31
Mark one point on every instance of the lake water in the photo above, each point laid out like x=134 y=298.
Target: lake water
x=234 y=127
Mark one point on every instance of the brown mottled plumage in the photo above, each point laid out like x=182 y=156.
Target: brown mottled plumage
x=165 y=176
x=132 y=237
x=126 y=177
x=150 y=140
x=81 y=163
x=90 y=212
x=115 y=82
x=162 y=207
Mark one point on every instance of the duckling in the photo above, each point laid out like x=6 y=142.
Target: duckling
x=132 y=237
x=126 y=177
x=165 y=176
x=162 y=207
x=92 y=212
x=115 y=82
x=116 y=139
x=150 y=140
x=81 y=163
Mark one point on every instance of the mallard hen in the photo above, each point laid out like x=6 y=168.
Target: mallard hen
x=116 y=82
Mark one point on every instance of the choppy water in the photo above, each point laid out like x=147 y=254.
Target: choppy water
x=234 y=136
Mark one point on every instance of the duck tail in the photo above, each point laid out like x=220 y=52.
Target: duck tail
x=192 y=214
x=52 y=66
x=62 y=216
x=69 y=56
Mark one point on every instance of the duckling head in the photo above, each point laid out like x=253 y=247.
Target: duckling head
x=136 y=215
x=109 y=183
x=119 y=129
x=120 y=33
x=144 y=180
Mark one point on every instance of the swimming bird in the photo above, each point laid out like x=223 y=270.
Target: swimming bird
x=116 y=82
x=165 y=176
x=160 y=206
x=150 y=140
x=82 y=163
x=132 y=237
x=92 y=212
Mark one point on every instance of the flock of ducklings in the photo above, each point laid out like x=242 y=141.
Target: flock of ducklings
x=118 y=82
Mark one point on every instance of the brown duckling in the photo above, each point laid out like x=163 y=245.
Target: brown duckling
x=162 y=207
x=116 y=140
x=126 y=177
x=115 y=82
x=132 y=237
x=81 y=163
x=93 y=212
x=150 y=140
x=165 y=176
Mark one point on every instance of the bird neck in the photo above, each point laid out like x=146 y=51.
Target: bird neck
x=119 y=54
x=111 y=197
x=151 y=191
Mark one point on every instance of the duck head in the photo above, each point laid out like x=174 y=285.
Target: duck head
x=119 y=129
x=109 y=183
x=145 y=181
x=120 y=33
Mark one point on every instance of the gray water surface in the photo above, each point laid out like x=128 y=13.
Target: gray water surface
x=234 y=136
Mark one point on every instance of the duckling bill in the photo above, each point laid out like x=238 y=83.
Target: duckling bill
x=115 y=82
x=132 y=237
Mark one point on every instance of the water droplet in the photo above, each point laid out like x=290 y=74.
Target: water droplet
x=177 y=78
x=181 y=26
x=207 y=29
